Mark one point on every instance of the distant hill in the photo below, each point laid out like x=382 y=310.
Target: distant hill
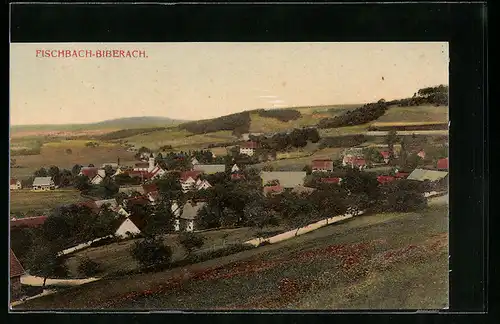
x=118 y=123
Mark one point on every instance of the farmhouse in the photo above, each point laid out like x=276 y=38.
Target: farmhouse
x=209 y=168
x=89 y=172
x=43 y=184
x=322 y=165
x=97 y=179
x=15 y=273
x=287 y=179
x=15 y=184
x=129 y=226
x=188 y=179
x=185 y=216
x=248 y=148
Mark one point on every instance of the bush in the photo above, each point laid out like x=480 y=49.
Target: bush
x=151 y=252
x=342 y=141
x=239 y=121
x=283 y=115
x=190 y=241
x=359 y=116
x=88 y=267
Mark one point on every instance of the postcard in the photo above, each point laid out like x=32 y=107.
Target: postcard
x=229 y=176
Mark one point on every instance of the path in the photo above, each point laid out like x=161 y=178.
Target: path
x=38 y=281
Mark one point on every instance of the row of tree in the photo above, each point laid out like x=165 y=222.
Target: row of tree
x=284 y=115
x=358 y=116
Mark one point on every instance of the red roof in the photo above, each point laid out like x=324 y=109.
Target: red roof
x=322 y=164
x=13 y=181
x=90 y=172
x=442 y=164
x=28 y=221
x=330 y=180
x=359 y=161
x=385 y=179
x=250 y=144
x=136 y=173
x=385 y=154
x=186 y=174
x=16 y=269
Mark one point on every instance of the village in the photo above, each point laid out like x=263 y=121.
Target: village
x=207 y=196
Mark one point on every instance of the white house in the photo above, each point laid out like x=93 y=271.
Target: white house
x=202 y=184
x=97 y=179
x=185 y=216
x=235 y=169
x=43 y=184
x=248 y=148
x=127 y=228
x=194 y=161
x=15 y=184
x=156 y=172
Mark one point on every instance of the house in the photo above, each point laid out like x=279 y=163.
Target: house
x=141 y=166
x=185 y=216
x=354 y=162
x=331 y=180
x=27 y=222
x=442 y=164
x=210 y=168
x=15 y=184
x=143 y=174
x=202 y=184
x=287 y=179
x=194 y=161
x=273 y=190
x=129 y=226
x=248 y=148
x=89 y=172
x=15 y=272
x=235 y=168
x=322 y=165
x=43 y=184
x=430 y=175
x=246 y=136
x=156 y=172
x=385 y=179
x=151 y=192
x=188 y=179
x=386 y=155
x=99 y=177
x=421 y=154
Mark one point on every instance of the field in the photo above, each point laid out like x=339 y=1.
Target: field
x=54 y=153
x=37 y=203
x=116 y=257
x=180 y=139
x=416 y=114
x=297 y=164
x=396 y=260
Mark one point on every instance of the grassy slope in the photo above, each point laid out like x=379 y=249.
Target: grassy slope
x=250 y=279
x=41 y=202
x=415 y=114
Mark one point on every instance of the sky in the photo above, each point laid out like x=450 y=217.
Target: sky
x=193 y=81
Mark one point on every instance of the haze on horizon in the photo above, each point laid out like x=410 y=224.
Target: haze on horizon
x=193 y=81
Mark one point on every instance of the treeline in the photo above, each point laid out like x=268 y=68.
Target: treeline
x=284 y=115
x=433 y=126
x=358 y=116
x=342 y=141
x=239 y=123
x=297 y=138
x=123 y=133
x=437 y=96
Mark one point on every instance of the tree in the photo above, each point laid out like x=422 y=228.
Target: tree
x=82 y=183
x=42 y=172
x=108 y=188
x=372 y=155
x=190 y=241
x=75 y=170
x=89 y=267
x=258 y=215
x=390 y=140
x=43 y=261
x=151 y=251
x=55 y=174
x=91 y=165
x=108 y=171
x=308 y=169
